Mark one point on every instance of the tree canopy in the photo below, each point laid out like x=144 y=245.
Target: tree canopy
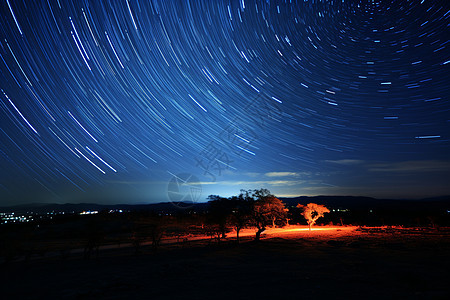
x=312 y=212
x=267 y=209
x=258 y=208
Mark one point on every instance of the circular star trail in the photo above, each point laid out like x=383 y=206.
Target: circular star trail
x=108 y=100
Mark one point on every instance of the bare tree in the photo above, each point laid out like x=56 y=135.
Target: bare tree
x=312 y=212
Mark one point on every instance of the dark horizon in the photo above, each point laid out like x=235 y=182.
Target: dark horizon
x=205 y=201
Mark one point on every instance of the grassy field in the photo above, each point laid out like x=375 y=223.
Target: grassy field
x=326 y=263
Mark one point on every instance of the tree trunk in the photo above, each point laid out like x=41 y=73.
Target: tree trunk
x=237 y=235
x=223 y=230
x=258 y=233
x=309 y=226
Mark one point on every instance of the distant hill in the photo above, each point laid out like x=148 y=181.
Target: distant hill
x=363 y=203
x=79 y=207
x=342 y=202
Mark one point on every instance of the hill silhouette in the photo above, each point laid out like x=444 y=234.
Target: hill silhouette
x=338 y=202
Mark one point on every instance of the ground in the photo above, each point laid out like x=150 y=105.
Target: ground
x=326 y=263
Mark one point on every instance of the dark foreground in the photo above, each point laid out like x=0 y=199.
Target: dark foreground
x=316 y=265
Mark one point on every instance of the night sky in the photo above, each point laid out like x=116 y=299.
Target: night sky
x=117 y=101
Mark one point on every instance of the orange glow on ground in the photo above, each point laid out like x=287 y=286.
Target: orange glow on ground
x=299 y=230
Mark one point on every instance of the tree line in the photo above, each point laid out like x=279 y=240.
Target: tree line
x=255 y=208
x=258 y=209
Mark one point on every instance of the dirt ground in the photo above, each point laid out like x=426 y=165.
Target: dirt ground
x=293 y=263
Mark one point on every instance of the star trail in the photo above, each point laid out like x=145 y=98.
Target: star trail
x=108 y=101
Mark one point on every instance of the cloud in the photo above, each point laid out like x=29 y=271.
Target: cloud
x=259 y=182
x=268 y=182
x=347 y=162
x=412 y=166
x=281 y=174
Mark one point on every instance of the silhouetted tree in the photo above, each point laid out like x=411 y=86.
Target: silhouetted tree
x=95 y=235
x=213 y=231
x=266 y=209
x=240 y=216
x=136 y=241
x=220 y=210
x=156 y=233
x=312 y=212
x=92 y=244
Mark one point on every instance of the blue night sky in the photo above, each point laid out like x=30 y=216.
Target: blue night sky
x=116 y=101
